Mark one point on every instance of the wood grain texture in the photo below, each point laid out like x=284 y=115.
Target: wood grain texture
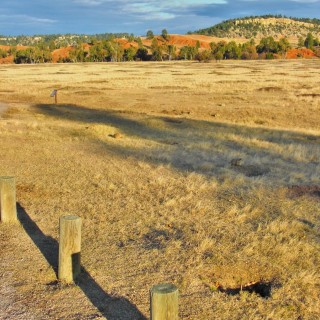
x=8 y=207
x=164 y=302
x=69 y=248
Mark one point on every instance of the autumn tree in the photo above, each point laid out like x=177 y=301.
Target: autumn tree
x=249 y=51
x=205 y=55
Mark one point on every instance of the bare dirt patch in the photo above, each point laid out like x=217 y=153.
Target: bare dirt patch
x=304 y=190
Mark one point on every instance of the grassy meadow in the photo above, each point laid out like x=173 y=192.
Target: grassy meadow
x=202 y=175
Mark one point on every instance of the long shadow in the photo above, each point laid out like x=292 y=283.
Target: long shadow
x=199 y=151
x=113 y=308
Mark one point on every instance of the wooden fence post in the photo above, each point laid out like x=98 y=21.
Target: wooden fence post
x=8 y=206
x=164 y=302
x=69 y=248
x=54 y=94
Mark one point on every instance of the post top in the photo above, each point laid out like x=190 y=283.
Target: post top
x=70 y=217
x=53 y=93
x=164 y=288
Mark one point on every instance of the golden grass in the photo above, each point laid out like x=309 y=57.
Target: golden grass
x=143 y=153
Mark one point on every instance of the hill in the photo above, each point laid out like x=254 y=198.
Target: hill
x=262 y=26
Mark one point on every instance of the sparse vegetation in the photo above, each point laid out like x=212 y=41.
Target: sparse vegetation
x=263 y=26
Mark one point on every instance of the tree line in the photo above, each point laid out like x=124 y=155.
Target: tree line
x=160 y=49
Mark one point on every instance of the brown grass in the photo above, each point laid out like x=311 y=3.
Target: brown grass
x=149 y=166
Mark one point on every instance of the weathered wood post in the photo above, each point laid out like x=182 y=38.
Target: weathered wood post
x=164 y=302
x=54 y=94
x=8 y=206
x=69 y=248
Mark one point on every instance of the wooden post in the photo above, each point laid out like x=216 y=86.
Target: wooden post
x=164 y=302
x=8 y=206
x=69 y=248
x=54 y=94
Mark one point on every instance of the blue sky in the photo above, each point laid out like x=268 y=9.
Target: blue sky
x=99 y=16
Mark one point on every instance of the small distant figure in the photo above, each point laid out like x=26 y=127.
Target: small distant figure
x=236 y=162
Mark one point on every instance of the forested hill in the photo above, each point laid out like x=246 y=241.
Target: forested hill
x=263 y=26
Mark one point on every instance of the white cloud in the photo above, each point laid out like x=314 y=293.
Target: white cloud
x=155 y=8
x=160 y=10
x=306 y=1
x=159 y=16
x=89 y=2
x=25 y=19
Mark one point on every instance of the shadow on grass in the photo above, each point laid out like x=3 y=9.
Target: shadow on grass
x=198 y=145
x=113 y=308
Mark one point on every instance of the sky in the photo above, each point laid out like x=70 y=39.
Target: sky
x=30 y=17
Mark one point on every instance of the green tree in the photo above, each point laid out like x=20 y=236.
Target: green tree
x=12 y=50
x=300 y=42
x=131 y=37
x=32 y=55
x=205 y=55
x=232 y=51
x=249 y=51
x=165 y=34
x=188 y=52
x=218 y=56
x=172 y=51
x=218 y=49
x=156 y=50
x=77 y=55
x=130 y=54
x=52 y=45
x=309 y=42
x=284 y=46
x=139 y=42
x=268 y=45
x=119 y=52
x=150 y=35
x=97 y=53
x=142 y=54
x=3 y=53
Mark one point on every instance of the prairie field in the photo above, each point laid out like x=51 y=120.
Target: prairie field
x=204 y=175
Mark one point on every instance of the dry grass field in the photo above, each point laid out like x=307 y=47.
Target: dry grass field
x=148 y=154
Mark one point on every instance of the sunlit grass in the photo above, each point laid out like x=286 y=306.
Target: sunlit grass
x=144 y=153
